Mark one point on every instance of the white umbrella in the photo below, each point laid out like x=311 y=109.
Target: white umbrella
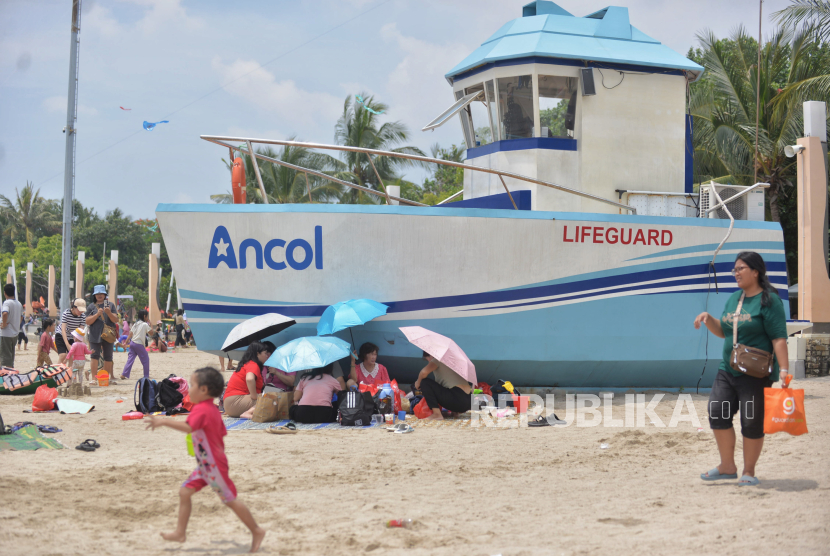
x=255 y=329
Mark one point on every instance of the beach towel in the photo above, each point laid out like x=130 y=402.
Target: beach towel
x=28 y=438
x=73 y=406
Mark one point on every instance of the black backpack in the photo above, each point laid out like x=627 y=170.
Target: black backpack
x=168 y=395
x=356 y=409
x=145 y=395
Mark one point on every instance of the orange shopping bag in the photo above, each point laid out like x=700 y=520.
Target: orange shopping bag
x=784 y=411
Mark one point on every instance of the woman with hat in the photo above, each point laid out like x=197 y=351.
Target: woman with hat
x=99 y=314
x=71 y=319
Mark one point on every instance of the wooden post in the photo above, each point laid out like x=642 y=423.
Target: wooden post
x=813 y=283
x=27 y=309
x=155 y=310
x=113 y=276
x=79 y=275
x=53 y=306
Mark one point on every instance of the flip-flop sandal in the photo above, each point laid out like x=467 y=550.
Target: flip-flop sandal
x=540 y=421
x=747 y=481
x=48 y=428
x=88 y=446
x=406 y=429
x=715 y=475
x=281 y=430
x=398 y=427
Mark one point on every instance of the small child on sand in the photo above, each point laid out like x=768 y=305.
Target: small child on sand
x=77 y=357
x=46 y=344
x=207 y=429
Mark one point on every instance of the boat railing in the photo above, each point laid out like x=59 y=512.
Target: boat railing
x=723 y=204
x=233 y=143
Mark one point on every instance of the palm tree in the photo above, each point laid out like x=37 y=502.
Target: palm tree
x=285 y=185
x=813 y=13
x=814 y=17
x=360 y=127
x=724 y=109
x=28 y=213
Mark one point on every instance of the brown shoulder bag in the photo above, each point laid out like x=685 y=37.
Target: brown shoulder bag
x=745 y=359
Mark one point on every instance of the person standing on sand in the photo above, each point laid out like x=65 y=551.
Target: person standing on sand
x=9 y=326
x=135 y=343
x=204 y=424
x=71 y=319
x=762 y=324
x=98 y=314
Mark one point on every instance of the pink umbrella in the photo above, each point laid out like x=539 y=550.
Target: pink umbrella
x=443 y=349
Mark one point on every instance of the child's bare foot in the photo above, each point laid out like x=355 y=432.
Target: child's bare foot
x=256 y=542
x=175 y=536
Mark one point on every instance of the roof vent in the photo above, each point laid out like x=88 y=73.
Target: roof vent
x=613 y=23
x=543 y=7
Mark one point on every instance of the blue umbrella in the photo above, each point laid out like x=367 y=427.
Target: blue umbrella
x=310 y=352
x=346 y=314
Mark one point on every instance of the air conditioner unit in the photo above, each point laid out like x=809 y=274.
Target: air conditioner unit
x=748 y=207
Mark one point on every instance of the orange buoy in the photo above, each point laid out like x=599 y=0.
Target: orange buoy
x=238 y=182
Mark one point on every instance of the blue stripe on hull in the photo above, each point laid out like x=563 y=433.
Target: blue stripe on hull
x=637 y=341
x=724 y=282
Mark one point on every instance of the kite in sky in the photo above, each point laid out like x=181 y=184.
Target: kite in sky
x=366 y=106
x=150 y=125
x=122 y=108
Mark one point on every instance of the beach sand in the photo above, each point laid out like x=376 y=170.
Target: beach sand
x=471 y=491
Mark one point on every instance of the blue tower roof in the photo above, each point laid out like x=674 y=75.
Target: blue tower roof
x=547 y=30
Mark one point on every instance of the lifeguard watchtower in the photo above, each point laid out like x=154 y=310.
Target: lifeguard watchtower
x=590 y=103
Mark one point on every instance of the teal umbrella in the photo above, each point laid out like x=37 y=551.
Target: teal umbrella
x=346 y=314
x=311 y=352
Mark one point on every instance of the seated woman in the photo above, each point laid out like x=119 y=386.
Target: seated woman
x=368 y=371
x=272 y=376
x=246 y=383
x=312 y=397
x=447 y=390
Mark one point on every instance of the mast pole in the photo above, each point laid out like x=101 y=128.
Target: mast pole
x=758 y=88
x=69 y=168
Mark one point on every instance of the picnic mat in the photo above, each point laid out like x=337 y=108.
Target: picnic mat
x=456 y=422
x=28 y=438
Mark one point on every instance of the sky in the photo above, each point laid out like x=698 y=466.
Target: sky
x=269 y=69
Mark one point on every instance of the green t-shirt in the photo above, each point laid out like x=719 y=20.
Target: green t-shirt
x=757 y=326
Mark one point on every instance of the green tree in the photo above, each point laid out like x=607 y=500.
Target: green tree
x=724 y=109
x=360 y=127
x=28 y=213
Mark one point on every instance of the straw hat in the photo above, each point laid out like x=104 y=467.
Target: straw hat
x=79 y=304
x=78 y=334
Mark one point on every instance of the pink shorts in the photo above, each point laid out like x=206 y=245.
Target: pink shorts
x=218 y=480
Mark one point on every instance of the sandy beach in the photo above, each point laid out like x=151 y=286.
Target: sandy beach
x=476 y=491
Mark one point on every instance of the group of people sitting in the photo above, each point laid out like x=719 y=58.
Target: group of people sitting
x=316 y=391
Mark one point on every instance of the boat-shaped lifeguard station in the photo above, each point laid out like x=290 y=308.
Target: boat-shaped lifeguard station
x=578 y=253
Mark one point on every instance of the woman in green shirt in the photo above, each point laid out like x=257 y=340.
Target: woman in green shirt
x=762 y=324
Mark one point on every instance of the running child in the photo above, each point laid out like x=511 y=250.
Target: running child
x=207 y=429
x=46 y=344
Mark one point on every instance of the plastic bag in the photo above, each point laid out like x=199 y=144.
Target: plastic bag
x=44 y=398
x=186 y=403
x=422 y=410
x=397 y=396
x=784 y=411
x=371 y=388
